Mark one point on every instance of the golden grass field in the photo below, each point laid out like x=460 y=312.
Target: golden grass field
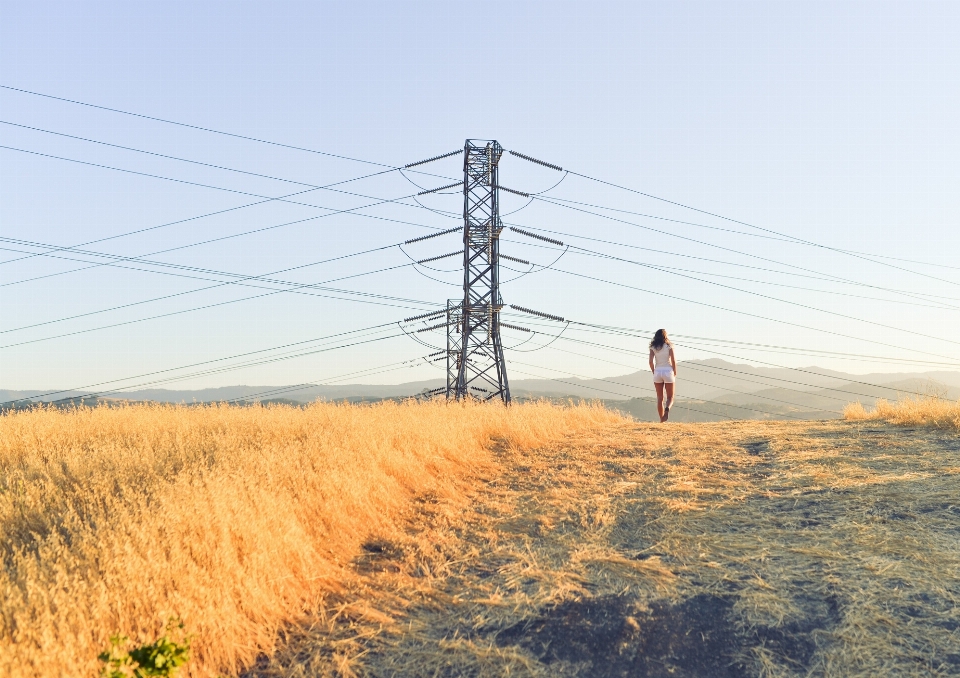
x=469 y=540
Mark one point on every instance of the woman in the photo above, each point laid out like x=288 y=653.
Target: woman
x=663 y=364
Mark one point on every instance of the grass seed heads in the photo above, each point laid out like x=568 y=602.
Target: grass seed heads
x=237 y=520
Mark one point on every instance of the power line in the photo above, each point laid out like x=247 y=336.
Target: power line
x=208 y=186
x=922 y=296
x=673 y=221
x=224 y=211
x=369 y=372
x=196 y=127
x=818 y=353
x=746 y=313
x=241 y=280
x=813 y=353
x=632 y=333
x=706 y=368
x=852 y=253
x=154 y=299
x=825 y=277
x=785 y=237
x=670 y=269
x=677 y=405
x=723 y=388
x=799 y=369
x=765 y=296
x=688 y=365
x=794 y=369
x=199 y=308
x=712 y=369
x=667 y=269
x=140 y=258
x=229 y=369
x=219 y=284
x=699 y=242
x=333 y=291
x=230 y=169
x=158 y=155
x=266 y=198
x=204 y=164
x=206 y=362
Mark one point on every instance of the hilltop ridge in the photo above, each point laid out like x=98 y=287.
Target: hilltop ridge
x=724 y=390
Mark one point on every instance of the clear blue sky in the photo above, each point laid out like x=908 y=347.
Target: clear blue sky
x=834 y=122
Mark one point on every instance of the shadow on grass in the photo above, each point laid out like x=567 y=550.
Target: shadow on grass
x=611 y=636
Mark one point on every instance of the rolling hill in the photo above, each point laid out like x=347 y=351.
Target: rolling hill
x=708 y=390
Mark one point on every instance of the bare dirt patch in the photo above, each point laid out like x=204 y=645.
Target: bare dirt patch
x=611 y=636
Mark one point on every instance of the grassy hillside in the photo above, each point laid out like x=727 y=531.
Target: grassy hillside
x=928 y=412
x=237 y=520
x=408 y=540
x=734 y=549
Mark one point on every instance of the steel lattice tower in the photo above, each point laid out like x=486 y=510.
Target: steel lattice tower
x=481 y=371
x=453 y=346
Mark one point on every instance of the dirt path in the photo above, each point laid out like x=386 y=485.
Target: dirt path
x=755 y=548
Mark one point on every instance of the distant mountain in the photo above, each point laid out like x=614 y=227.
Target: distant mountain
x=692 y=410
x=836 y=397
x=715 y=389
x=714 y=379
x=295 y=393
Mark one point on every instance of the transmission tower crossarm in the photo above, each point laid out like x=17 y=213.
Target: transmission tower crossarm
x=434 y=327
x=432 y=235
x=432 y=314
x=515 y=192
x=537 y=162
x=536 y=236
x=441 y=256
x=436 y=157
x=441 y=188
x=548 y=316
x=519 y=261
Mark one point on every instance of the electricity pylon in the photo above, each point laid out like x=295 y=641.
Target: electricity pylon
x=453 y=346
x=481 y=372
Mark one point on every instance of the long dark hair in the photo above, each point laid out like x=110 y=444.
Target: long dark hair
x=659 y=339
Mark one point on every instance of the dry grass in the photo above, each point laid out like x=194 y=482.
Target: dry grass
x=929 y=411
x=409 y=540
x=241 y=521
x=834 y=547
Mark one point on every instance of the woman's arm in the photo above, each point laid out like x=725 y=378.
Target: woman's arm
x=673 y=361
x=651 y=360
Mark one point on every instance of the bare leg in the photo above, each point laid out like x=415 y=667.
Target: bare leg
x=659 y=388
x=666 y=413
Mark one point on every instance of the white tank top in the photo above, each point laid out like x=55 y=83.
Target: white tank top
x=662 y=357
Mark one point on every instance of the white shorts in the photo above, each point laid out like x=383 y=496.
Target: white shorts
x=664 y=375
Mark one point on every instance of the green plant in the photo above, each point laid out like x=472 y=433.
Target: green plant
x=163 y=657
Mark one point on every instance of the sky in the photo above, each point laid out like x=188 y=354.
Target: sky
x=794 y=129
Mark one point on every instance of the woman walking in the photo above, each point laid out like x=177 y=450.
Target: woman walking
x=663 y=364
